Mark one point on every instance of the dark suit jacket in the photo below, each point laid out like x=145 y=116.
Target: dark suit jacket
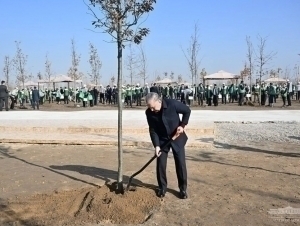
x=170 y=117
x=3 y=91
x=35 y=95
x=154 y=89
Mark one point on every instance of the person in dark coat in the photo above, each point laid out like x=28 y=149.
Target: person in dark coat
x=3 y=96
x=154 y=89
x=164 y=124
x=35 y=98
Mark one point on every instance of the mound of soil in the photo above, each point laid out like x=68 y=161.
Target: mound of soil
x=80 y=207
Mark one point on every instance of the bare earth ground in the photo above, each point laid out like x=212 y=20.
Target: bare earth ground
x=228 y=185
x=231 y=107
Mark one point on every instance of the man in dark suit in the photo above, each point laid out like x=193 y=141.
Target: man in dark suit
x=35 y=98
x=3 y=96
x=154 y=89
x=164 y=122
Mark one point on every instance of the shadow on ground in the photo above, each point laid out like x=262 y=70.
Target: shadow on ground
x=107 y=175
x=254 y=149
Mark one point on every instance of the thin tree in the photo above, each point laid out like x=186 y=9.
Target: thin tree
x=191 y=54
x=158 y=78
x=179 y=79
x=39 y=76
x=119 y=19
x=48 y=71
x=95 y=64
x=75 y=60
x=143 y=65
x=203 y=73
x=7 y=69
x=262 y=59
x=172 y=76
x=131 y=66
x=112 y=80
x=250 y=51
x=19 y=62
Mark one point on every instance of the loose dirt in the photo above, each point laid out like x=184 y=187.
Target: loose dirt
x=229 y=185
x=81 y=206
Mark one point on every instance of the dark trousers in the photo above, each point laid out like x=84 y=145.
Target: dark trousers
x=4 y=100
x=102 y=98
x=289 y=99
x=271 y=99
x=209 y=101
x=241 y=99
x=12 y=105
x=109 y=100
x=284 y=100
x=139 y=100
x=224 y=101
x=298 y=96
x=215 y=100
x=66 y=99
x=180 y=165
x=36 y=103
x=231 y=98
x=200 y=99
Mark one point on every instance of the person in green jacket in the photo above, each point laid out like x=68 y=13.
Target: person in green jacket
x=224 y=92
x=231 y=91
x=283 y=93
x=272 y=93
x=129 y=95
x=66 y=95
x=241 y=91
x=200 y=94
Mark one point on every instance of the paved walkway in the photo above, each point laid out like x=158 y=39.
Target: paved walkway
x=100 y=127
x=133 y=119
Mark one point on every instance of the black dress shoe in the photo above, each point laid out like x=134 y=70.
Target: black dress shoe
x=161 y=193
x=183 y=195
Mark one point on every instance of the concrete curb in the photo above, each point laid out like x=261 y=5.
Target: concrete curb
x=72 y=130
x=141 y=144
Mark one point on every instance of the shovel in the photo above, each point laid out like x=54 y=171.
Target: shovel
x=151 y=160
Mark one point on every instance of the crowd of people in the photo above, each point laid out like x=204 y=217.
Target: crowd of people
x=202 y=95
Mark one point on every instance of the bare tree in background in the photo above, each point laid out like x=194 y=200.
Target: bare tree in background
x=73 y=70
x=7 y=69
x=132 y=64
x=39 y=76
x=287 y=73
x=119 y=19
x=262 y=59
x=158 y=78
x=19 y=63
x=95 y=64
x=143 y=65
x=172 y=76
x=203 y=73
x=112 y=80
x=250 y=51
x=179 y=79
x=191 y=54
x=48 y=71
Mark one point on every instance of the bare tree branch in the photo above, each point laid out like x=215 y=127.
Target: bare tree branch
x=19 y=62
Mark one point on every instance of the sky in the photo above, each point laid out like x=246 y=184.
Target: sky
x=47 y=27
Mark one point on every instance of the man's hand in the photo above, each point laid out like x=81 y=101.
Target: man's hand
x=178 y=132
x=157 y=151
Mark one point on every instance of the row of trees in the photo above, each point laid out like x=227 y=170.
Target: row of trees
x=18 y=66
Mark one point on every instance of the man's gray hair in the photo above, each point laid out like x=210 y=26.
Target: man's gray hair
x=152 y=96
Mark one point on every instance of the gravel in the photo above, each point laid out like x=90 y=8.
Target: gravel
x=229 y=132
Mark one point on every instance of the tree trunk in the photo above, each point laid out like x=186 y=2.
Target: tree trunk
x=120 y=188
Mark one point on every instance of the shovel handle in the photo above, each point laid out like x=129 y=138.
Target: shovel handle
x=151 y=160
